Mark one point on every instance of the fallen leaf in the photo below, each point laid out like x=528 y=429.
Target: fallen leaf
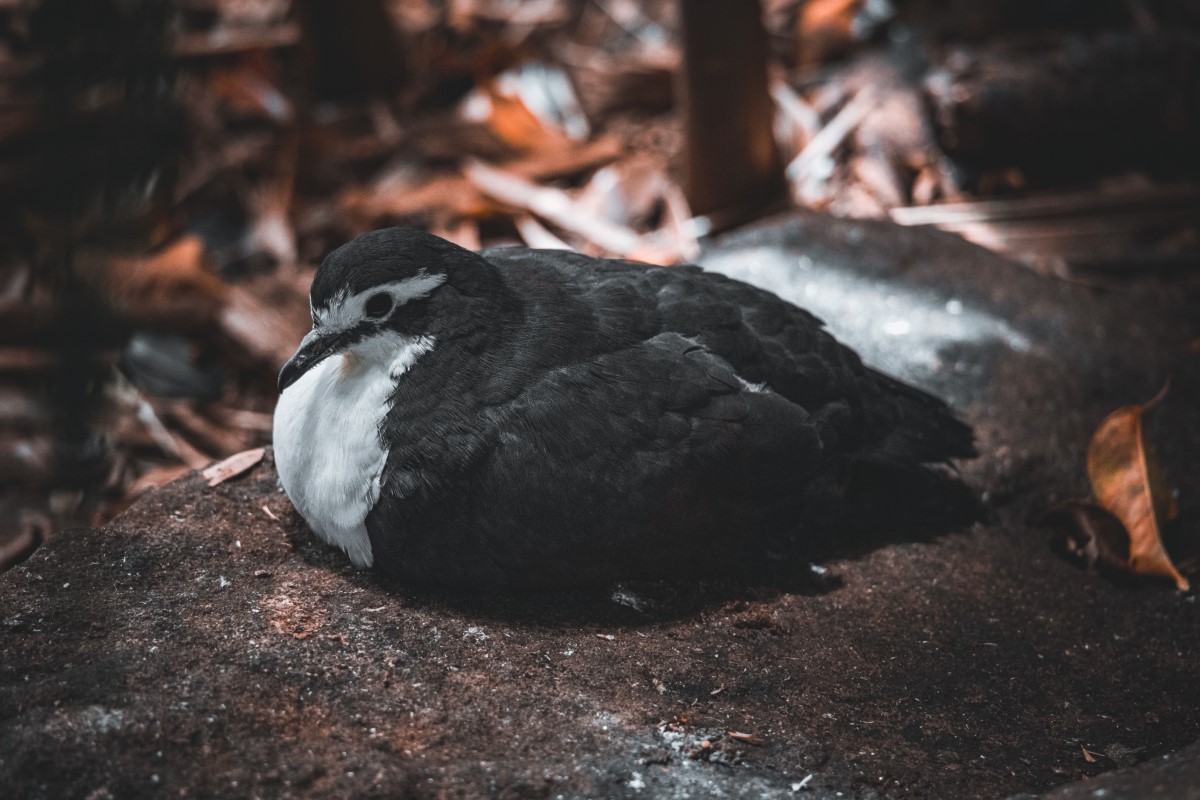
x=827 y=28
x=171 y=287
x=1091 y=534
x=156 y=476
x=251 y=94
x=824 y=28
x=1128 y=482
x=748 y=738
x=265 y=326
x=516 y=125
x=1088 y=756
x=233 y=466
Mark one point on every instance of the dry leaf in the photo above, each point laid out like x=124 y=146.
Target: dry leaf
x=233 y=466
x=1088 y=756
x=265 y=325
x=404 y=196
x=155 y=476
x=251 y=94
x=1128 y=482
x=1092 y=535
x=824 y=28
x=518 y=127
x=170 y=287
x=748 y=738
x=827 y=28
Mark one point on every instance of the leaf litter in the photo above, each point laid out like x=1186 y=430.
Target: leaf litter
x=551 y=125
x=235 y=465
x=1120 y=528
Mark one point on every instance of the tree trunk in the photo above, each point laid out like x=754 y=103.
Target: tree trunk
x=732 y=163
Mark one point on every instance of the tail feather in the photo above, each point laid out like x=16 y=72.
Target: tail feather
x=912 y=426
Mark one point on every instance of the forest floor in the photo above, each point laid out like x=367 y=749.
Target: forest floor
x=203 y=643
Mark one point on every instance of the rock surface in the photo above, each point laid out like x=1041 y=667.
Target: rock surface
x=1174 y=775
x=205 y=644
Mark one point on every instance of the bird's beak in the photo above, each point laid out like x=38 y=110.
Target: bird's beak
x=314 y=348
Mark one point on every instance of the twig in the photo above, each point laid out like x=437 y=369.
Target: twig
x=748 y=738
x=538 y=235
x=229 y=40
x=168 y=442
x=1181 y=199
x=797 y=111
x=831 y=136
x=680 y=221
x=552 y=205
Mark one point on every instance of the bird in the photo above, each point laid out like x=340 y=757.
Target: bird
x=515 y=418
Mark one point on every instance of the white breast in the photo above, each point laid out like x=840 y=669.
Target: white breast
x=327 y=445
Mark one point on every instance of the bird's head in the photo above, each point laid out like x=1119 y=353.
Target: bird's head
x=386 y=287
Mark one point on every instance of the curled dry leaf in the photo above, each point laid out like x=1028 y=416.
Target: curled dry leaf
x=1128 y=482
x=233 y=466
x=1091 y=535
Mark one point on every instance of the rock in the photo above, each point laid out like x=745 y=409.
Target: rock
x=199 y=645
x=1175 y=775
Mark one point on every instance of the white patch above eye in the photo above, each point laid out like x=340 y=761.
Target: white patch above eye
x=344 y=310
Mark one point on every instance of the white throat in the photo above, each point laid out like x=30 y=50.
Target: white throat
x=327 y=442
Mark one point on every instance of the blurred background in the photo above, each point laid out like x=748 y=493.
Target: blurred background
x=172 y=172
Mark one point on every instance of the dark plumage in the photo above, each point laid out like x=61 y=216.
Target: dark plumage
x=581 y=420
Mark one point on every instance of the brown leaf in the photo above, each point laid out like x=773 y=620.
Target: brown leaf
x=1128 y=481
x=824 y=28
x=251 y=94
x=233 y=466
x=449 y=194
x=518 y=127
x=1092 y=535
x=155 y=476
x=266 y=319
x=170 y=287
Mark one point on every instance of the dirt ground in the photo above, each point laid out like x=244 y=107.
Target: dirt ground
x=204 y=644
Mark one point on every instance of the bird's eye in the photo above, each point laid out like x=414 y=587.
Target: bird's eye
x=378 y=305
